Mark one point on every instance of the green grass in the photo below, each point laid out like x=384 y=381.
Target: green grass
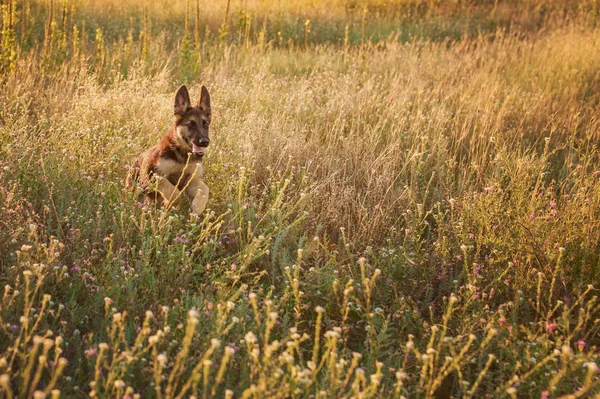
x=411 y=211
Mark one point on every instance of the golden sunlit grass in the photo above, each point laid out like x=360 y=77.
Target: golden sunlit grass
x=405 y=199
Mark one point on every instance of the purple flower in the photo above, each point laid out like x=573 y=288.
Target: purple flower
x=233 y=346
x=178 y=239
x=91 y=352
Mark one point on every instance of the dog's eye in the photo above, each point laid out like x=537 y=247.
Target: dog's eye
x=205 y=124
x=191 y=124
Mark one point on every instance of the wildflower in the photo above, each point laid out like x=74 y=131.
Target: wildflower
x=592 y=366
x=233 y=267
x=551 y=327
x=233 y=346
x=91 y=352
x=581 y=344
x=250 y=337
x=162 y=359
x=545 y=395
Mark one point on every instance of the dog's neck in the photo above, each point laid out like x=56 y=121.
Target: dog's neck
x=172 y=147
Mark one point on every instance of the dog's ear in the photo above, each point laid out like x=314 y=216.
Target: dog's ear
x=182 y=100
x=204 y=102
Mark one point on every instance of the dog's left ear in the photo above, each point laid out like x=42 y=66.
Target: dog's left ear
x=204 y=102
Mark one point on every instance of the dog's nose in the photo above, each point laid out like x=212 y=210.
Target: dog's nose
x=204 y=142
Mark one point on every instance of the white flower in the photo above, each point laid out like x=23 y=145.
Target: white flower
x=250 y=337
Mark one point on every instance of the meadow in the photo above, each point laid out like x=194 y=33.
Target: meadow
x=405 y=200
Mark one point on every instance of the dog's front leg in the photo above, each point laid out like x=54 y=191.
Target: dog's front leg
x=169 y=192
x=198 y=191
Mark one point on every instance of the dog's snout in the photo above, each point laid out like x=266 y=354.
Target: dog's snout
x=204 y=142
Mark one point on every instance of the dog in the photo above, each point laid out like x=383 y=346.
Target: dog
x=174 y=165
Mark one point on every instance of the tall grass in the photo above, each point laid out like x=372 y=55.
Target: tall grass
x=405 y=201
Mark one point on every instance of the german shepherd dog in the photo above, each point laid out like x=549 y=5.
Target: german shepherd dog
x=174 y=165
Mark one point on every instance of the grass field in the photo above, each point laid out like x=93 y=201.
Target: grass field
x=405 y=200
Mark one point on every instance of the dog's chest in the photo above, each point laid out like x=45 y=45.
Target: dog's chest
x=180 y=174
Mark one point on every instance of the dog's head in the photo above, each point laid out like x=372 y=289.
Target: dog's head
x=192 y=122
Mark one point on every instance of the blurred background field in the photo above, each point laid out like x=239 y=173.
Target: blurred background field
x=405 y=200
